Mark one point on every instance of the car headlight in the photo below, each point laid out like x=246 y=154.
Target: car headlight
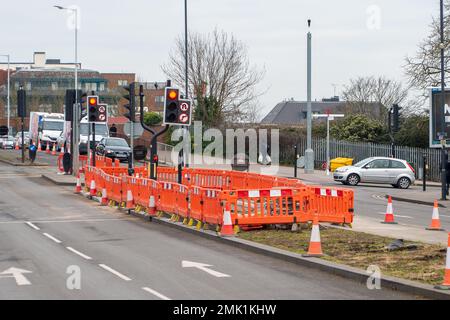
x=109 y=151
x=341 y=170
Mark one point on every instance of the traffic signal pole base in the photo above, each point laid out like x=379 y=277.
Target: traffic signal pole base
x=309 y=161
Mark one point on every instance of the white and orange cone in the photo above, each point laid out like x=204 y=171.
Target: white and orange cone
x=130 y=200
x=17 y=146
x=389 y=217
x=446 y=283
x=93 y=190
x=62 y=150
x=151 y=206
x=78 y=187
x=435 y=221
x=39 y=146
x=47 y=149
x=315 y=245
x=227 y=227
x=104 y=201
x=54 y=150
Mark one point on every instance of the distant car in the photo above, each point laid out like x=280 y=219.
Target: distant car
x=396 y=172
x=114 y=148
x=18 y=138
x=7 y=142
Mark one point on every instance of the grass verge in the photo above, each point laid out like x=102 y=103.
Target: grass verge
x=356 y=249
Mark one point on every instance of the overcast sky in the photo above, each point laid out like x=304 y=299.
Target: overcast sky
x=350 y=37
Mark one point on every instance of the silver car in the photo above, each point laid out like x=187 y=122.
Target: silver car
x=397 y=172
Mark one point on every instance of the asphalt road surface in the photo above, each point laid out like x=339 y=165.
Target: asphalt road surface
x=50 y=236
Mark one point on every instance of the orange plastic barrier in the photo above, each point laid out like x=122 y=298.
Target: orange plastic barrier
x=167 y=197
x=147 y=188
x=196 y=202
x=333 y=204
x=212 y=206
x=182 y=202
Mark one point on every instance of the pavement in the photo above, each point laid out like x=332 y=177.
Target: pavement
x=52 y=240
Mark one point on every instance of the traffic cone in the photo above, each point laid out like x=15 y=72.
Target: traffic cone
x=389 y=217
x=54 y=150
x=446 y=283
x=17 y=146
x=47 y=149
x=62 y=150
x=93 y=191
x=39 y=146
x=104 y=201
x=435 y=221
x=78 y=187
x=315 y=246
x=227 y=227
x=151 y=206
x=130 y=201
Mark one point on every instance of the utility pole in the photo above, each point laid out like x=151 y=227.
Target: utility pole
x=186 y=68
x=443 y=124
x=309 y=153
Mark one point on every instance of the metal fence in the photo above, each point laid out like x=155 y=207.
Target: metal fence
x=361 y=150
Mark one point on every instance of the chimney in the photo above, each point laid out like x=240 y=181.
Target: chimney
x=39 y=60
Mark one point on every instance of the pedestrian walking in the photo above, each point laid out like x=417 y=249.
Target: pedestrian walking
x=113 y=131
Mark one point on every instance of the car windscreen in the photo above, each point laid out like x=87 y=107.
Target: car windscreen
x=53 y=125
x=100 y=129
x=116 y=143
x=362 y=162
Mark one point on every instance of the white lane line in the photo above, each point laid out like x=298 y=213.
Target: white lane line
x=104 y=266
x=156 y=293
x=51 y=237
x=32 y=225
x=397 y=215
x=79 y=253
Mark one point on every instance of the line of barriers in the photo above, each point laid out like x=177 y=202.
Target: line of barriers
x=201 y=199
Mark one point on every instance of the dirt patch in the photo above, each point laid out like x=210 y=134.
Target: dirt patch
x=425 y=264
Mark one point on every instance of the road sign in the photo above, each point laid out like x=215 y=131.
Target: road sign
x=184 y=107
x=184 y=118
x=437 y=133
x=4 y=130
x=137 y=128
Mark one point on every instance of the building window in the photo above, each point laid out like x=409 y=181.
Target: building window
x=122 y=83
x=28 y=86
x=54 y=86
x=159 y=99
x=102 y=86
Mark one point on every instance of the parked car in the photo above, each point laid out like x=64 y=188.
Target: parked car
x=18 y=138
x=115 y=148
x=7 y=142
x=397 y=172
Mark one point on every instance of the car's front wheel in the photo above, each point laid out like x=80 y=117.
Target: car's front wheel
x=403 y=183
x=353 y=179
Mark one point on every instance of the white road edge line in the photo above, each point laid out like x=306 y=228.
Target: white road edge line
x=397 y=215
x=52 y=237
x=156 y=293
x=104 y=266
x=79 y=253
x=32 y=225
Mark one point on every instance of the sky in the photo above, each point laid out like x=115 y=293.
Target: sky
x=351 y=38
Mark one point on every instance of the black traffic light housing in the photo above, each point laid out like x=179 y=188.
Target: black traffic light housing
x=396 y=117
x=130 y=96
x=92 y=108
x=21 y=103
x=177 y=111
x=69 y=101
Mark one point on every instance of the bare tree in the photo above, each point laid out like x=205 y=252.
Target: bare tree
x=424 y=68
x=374 y=96
x=219 y=69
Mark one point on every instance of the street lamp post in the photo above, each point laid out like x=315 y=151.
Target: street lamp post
x=9 y=93
x=309 y=153
x=76 y=109
x=443 y=124
x=330 y=117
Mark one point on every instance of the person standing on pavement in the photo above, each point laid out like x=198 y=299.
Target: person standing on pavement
x=113 y=131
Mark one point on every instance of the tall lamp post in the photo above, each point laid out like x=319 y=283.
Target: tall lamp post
x=76 y=109
x=330 y=117
x=186 y=79
x=443 y=124
x=309 y=153
x=9 y=92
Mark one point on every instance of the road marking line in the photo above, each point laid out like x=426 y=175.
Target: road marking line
x=52 y=237
x=104 y=266
x=32 y=225
x=79 y=253
x=396 y=215
x=156 y=293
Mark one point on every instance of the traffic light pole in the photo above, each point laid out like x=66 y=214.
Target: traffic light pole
x=443 y=124
x=93 y=138
x=154 y=142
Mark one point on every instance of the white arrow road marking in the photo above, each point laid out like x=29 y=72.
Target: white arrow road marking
x=104 y=266
x=17 y=274
x=156 y=293
x=33 y=226
x=203 y=267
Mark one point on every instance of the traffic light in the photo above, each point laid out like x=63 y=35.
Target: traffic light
x=70 y=100
x=92 y=108
x=21 y=103
x=396 y=117
x=176 y=111
x=131 y=102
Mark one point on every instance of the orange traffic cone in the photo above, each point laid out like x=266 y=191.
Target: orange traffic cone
x=315 y=246
x=93 y=190
x=151 y=206
x=389 y=217
x=104 y=201
x=39 y=146
x=130 y=201
x=62 y=150
x=78 y=187
x=227 y=227
x=47 y=149
x=446 y=284
x=54 y=150
x=435 y=221
x=17 y=146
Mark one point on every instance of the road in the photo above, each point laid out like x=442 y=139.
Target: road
x=45 y=229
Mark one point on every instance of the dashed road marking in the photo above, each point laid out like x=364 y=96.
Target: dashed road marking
x=104 y=266
x=51 y=237
x=79 y=253
x=156 y=293
x=32 y=225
